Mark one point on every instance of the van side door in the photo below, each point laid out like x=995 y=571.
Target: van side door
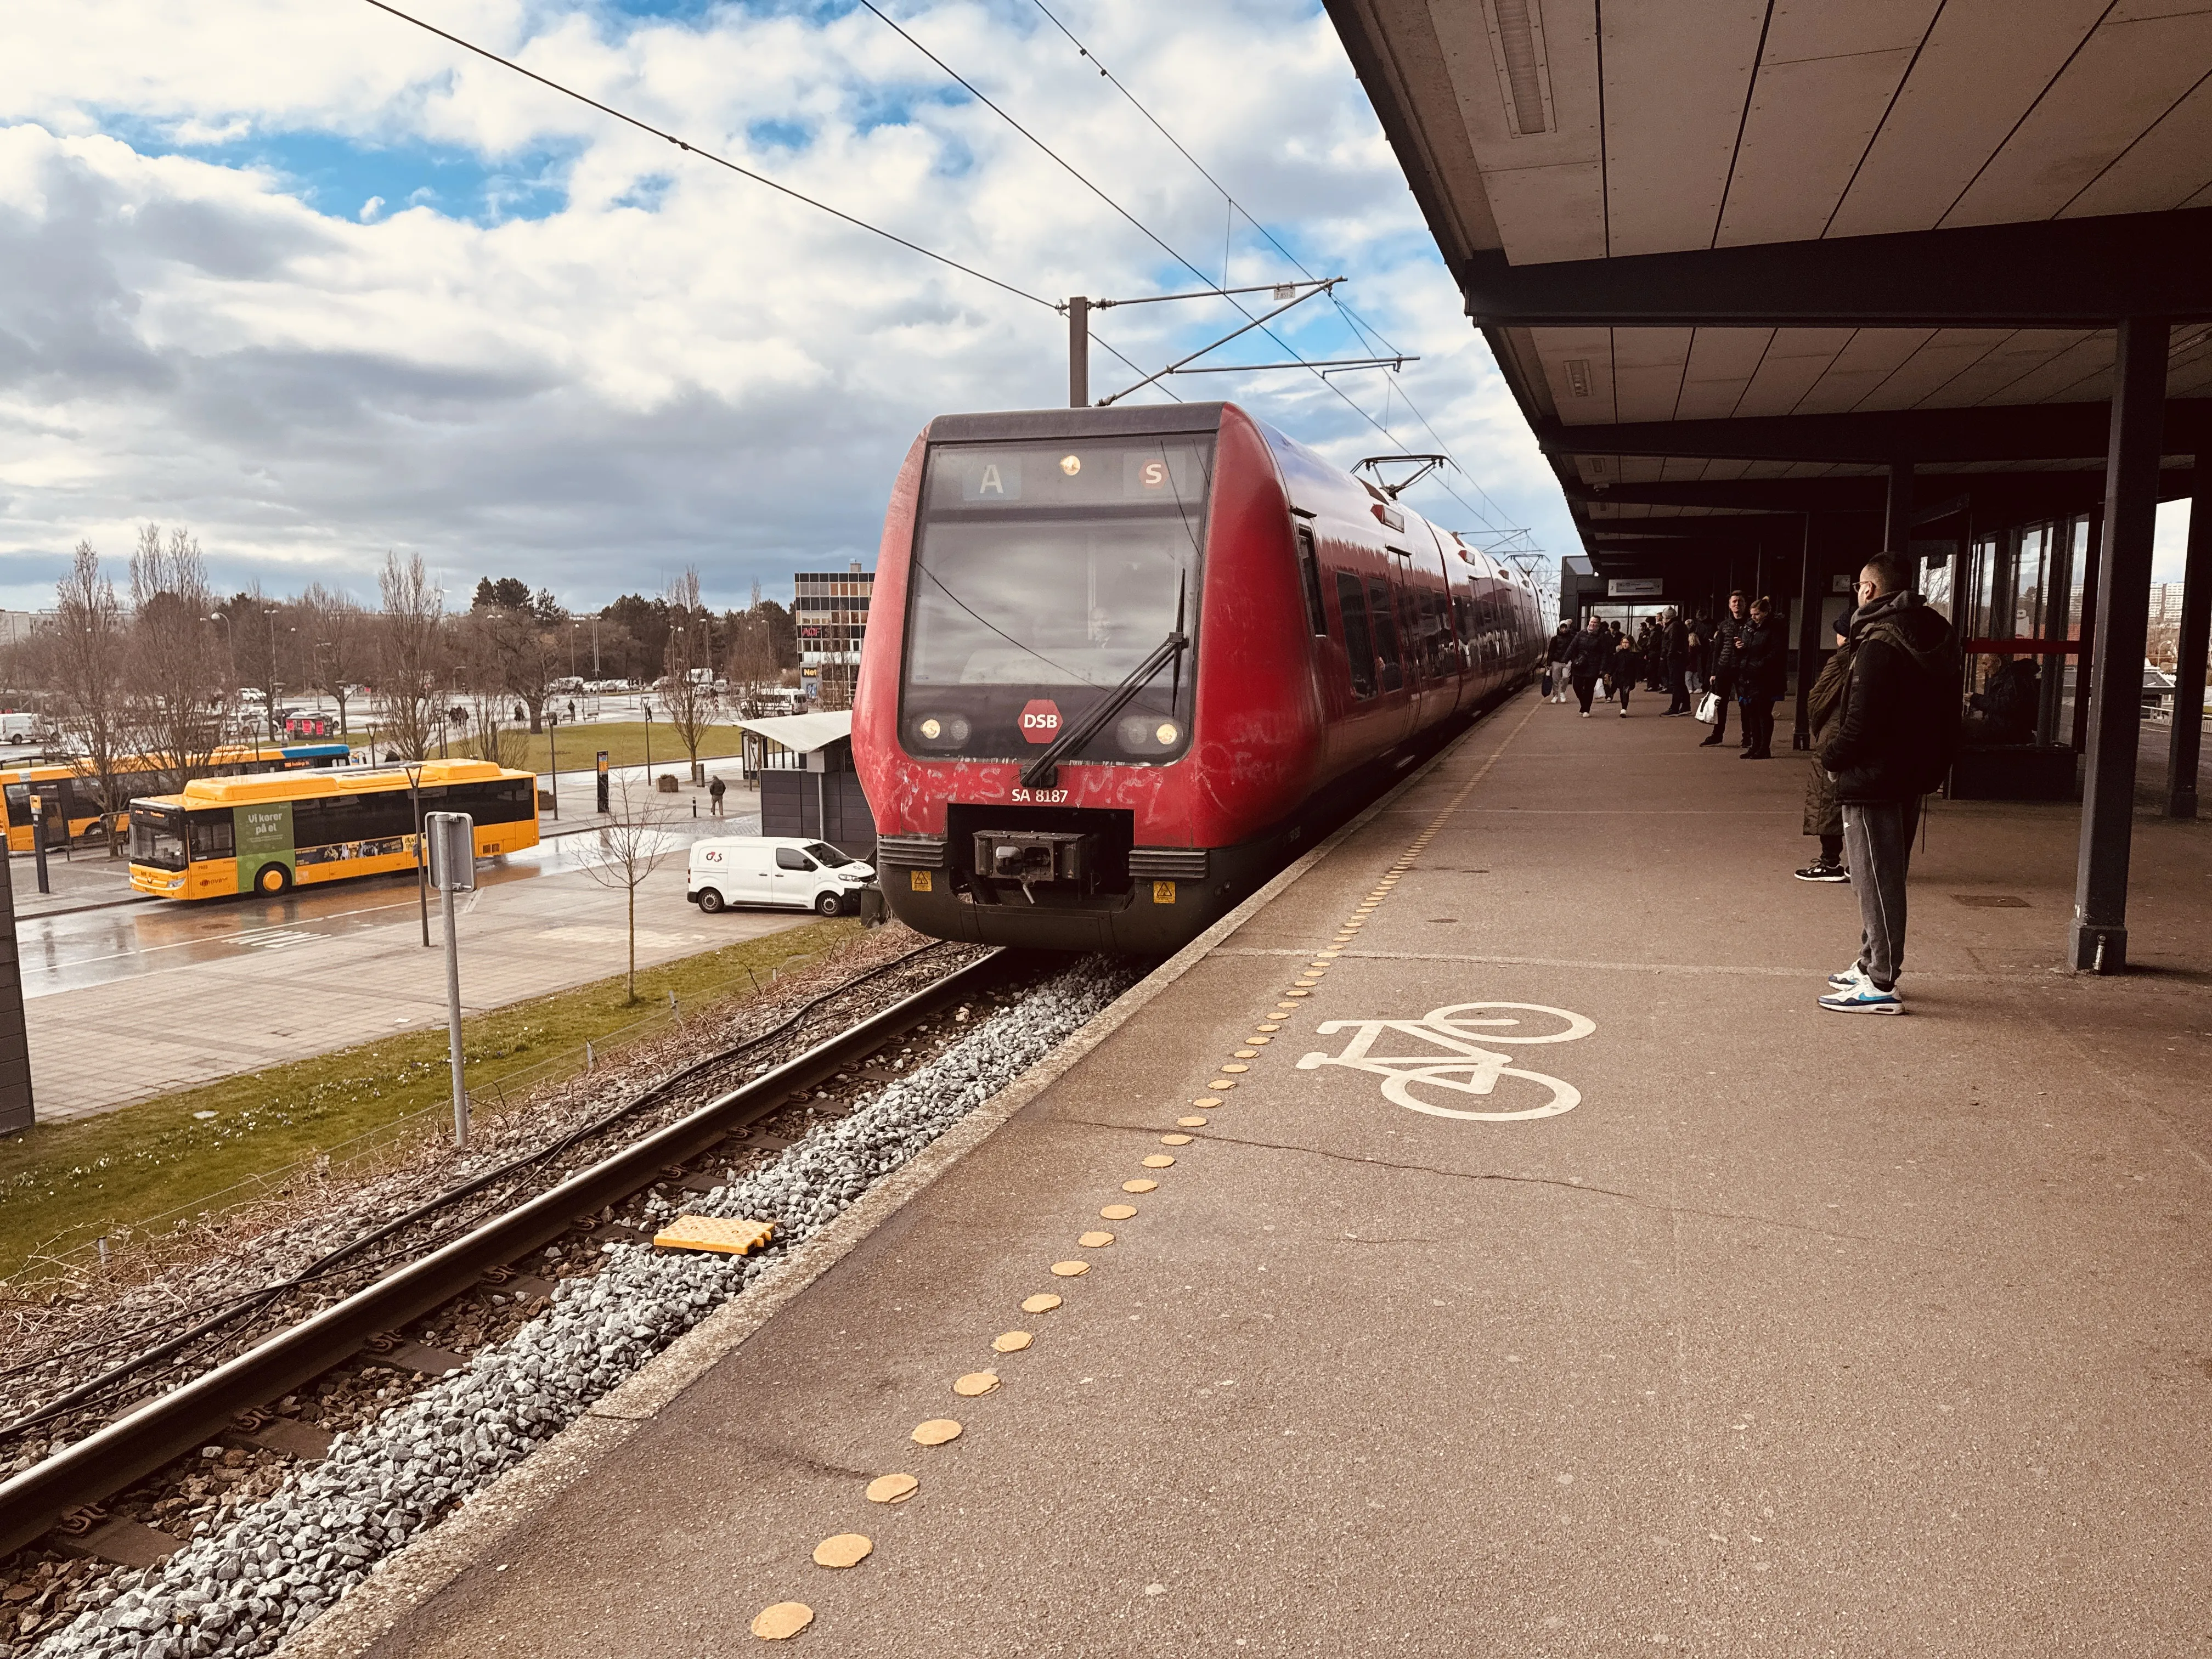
x=793 y=880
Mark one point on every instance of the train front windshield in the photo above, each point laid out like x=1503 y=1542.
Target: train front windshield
x=1044 y=575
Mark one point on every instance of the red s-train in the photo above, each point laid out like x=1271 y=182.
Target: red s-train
x=1122 y=662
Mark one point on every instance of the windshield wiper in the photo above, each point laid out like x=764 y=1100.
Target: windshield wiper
x=1044 y=770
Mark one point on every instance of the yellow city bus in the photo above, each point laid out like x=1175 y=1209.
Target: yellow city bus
x=266 y=834
x=70 y=792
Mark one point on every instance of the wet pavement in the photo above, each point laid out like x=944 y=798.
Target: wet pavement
x=126 y=1002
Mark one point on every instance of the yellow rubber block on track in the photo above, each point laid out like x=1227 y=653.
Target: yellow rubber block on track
x=846 y=1549
x=936 y=1431
x=782 y=1621
x=713 y=1232
x=892 y=1488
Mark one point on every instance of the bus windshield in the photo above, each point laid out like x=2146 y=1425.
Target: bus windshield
x=1043 y=575
x=156 y=835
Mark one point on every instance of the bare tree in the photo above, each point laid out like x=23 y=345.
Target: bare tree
x=177 y=676
x=90 y=657
x=411 y=655
x=633 y=843
x=335 y=642
x=689 y=691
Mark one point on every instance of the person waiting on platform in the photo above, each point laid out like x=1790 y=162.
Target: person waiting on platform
x=1675 y=642
x=1758 y=679
x=1624 y=671
x=1893 y=739
x=1824 y=816
x=2006 y=709
x=1720 y=663
x=1556 y=651
x=1587 y=661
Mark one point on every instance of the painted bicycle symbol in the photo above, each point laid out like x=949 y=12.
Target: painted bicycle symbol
x=1464 y=1066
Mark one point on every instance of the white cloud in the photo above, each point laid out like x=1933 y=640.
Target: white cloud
x=677 y=366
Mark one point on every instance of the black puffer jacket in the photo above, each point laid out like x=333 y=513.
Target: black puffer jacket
x=1897 y=732
x=1591 y=653
x=1759 y=662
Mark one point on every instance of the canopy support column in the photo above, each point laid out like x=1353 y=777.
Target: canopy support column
x=2100 y=940
x=2186 y=746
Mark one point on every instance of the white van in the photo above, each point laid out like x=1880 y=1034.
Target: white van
x=777 y=871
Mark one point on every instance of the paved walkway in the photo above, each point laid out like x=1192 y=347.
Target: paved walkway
x=127 y=1002
x=1781 y=1333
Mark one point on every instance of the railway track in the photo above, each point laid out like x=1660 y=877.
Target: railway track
x=451 y=1245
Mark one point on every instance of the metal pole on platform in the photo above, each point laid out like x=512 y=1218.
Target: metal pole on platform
x=1808 y=642
x=2099 y=935
x=1079 y=353
x=453 y=870
x=2185 y=748
x=1897 y=514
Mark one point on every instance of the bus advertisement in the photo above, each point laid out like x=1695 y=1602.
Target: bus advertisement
x=267 y=834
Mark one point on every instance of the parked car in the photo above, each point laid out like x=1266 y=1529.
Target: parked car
x=775 y=870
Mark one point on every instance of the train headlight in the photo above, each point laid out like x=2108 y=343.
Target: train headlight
x=933 y=729
x=941 y=729
x=1166 y=731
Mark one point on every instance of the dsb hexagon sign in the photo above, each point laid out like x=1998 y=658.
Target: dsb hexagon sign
x=1040 y=719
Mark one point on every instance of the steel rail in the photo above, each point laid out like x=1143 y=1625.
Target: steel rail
x=111 y=1458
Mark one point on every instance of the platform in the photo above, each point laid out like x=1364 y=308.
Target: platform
x=1796 y=1332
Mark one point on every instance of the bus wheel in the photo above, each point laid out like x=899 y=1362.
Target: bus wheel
x=273 y=879
x=709 y=901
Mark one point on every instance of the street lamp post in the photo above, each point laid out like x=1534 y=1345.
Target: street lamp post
x=553 y=726
x=421 y=877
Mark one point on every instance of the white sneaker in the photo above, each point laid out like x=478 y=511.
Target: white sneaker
x=1851 y=975
x=1864 y=998
x=1585 y=714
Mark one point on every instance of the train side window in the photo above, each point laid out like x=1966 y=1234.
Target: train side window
x=1386 y=633
x=1309 y=576
x=1358 y=647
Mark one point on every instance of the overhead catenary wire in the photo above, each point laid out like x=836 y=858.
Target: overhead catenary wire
x=718 y=161
x=1371 y=337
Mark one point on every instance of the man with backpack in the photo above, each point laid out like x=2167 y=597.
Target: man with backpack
x=1893 y=738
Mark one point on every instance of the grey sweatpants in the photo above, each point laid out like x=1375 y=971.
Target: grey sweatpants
x=1878 y=847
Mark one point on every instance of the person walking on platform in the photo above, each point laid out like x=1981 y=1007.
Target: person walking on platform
x=1556 y=650
x=1674 y=643
x=1824 y=815
x=1720 y=665
x=1625 y=671
x=1586 y=662
x=1760 y=665
x=1894 y=737
x=715 y=793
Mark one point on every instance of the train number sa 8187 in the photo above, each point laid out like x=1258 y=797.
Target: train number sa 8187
x=1037 y=797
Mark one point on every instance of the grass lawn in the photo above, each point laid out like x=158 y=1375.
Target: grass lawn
x=625 y=741
x=61 y=1184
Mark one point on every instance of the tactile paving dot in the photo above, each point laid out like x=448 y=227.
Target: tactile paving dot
x=1042 y=1302
x=1235 y=1066
x=1248 y=1054
x=1070 y=1269
x=1298 y=994
x=892 y=1488
x=1095 y=1241
x=977 y=1383
x=1190 y=1123
x=1117 y=1212
x=1157 y=1161
x=782 y=1621
x=1220 y=1084
x=1271 y=1028
x=936 y=1431
x=1139 y=1186
x=1175 y=1140
x=1011 y=1341
x=1209 y=1102
x=846 y=1549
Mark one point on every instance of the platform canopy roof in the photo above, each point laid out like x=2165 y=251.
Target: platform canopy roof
x=802 y=733
x=1738 y=258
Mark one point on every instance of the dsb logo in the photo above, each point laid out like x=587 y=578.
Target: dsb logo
x=1040 y=719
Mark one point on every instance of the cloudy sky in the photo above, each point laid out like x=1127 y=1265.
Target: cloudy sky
x=317 y=284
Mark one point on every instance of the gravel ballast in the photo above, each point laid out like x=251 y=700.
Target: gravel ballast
x=286 y=1560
